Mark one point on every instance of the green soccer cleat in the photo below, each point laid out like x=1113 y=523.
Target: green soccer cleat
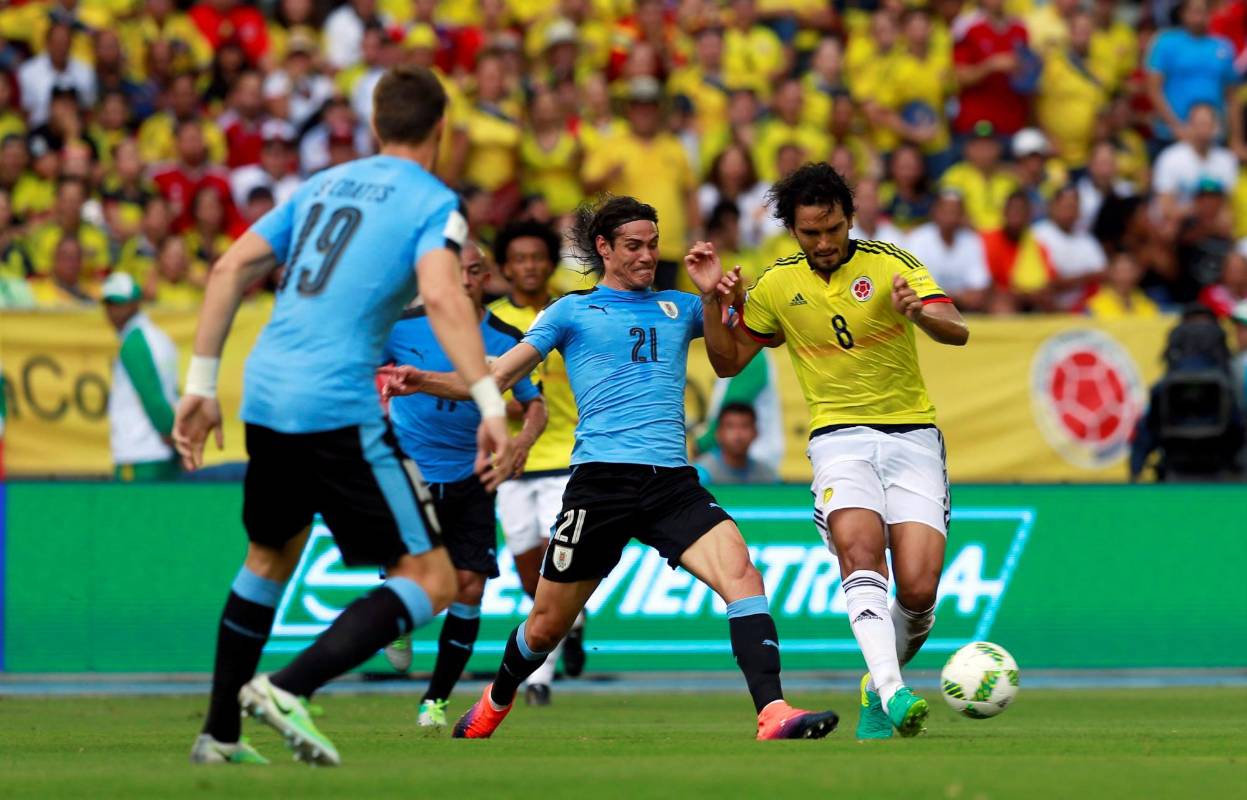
x=873 y=722
x=207 y=750
x=291 y=717
x=908 y=712
x=432 y=714
x=398 y=653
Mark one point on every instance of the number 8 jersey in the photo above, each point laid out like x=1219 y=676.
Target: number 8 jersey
x=854 y=355
x=350 y=239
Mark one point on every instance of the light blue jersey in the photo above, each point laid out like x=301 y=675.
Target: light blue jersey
x=350 y=239
x=626 y=354
x=440 y=435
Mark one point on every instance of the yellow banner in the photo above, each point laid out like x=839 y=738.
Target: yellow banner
x=1029 y=399
x=57 y=368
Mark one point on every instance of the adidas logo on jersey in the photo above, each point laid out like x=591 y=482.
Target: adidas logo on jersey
x=867 y=614
x=797 y=300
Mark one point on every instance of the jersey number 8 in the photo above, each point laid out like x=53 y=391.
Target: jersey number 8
x=843 y=335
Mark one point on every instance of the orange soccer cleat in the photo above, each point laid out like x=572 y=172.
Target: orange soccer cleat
x=481 y=720
x=781 y=721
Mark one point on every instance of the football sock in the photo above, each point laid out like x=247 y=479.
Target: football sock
x=518 y=662
x=396 y=607
x=454 y=648
x=245 y=625
x=912 y=629
x=755 y=644
x=866 y=593
x=545 y=673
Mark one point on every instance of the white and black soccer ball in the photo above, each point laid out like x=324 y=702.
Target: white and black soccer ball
x=980 y=680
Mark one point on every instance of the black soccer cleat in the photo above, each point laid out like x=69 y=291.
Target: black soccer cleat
x=574 y=653
x=537 y=694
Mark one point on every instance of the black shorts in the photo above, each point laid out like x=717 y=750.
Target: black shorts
x=465 y=512
x=370 y=495
x=607 y=505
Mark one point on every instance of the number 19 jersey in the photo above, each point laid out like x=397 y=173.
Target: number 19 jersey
x=350 y=239
x=854 y=355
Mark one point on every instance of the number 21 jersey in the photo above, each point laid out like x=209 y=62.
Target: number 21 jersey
x=350 y=239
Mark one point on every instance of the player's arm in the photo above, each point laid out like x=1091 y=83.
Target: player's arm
x=248 y=260
x=937 y=318
x=507 y=370
x=535 y=417
x=728 y=346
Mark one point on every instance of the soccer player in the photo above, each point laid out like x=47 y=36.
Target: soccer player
x=357 y=241
x=626 y=348
x=847 y=309
x=528 y=253
x=440 y=436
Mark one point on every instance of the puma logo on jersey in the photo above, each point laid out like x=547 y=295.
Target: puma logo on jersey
x=599 y=308
x=797 y=300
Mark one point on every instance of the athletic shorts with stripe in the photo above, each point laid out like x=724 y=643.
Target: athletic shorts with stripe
x=371 y=496
x=897 y=471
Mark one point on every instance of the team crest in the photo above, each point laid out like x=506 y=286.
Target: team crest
x=827 y=493
x=669 y=308
x=562 y=557
x=863 y=289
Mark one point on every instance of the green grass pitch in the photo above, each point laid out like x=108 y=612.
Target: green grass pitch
x=1051 y=744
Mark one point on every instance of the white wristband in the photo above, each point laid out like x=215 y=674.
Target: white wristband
x=487 y=398
x=201 y=376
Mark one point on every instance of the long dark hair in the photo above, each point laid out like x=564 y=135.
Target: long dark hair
x=815 y=184
x=603 y=218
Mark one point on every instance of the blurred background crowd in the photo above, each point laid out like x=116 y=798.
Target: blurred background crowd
x=1068 y=156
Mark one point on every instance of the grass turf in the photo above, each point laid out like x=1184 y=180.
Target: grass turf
x=1102 y=744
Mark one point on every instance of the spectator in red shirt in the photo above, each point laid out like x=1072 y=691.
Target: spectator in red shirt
x=991 y=60
x=1231 y=289
x=242 y=122
x=1230 y=21
x=222 y=20
x=180 y=180
x=470 y=40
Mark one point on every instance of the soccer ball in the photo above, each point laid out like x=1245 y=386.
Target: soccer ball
x=980 y=680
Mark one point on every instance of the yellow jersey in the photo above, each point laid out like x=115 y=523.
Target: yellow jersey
x=1069 y=100
x=552 y=452
x=44 y=239
x=493 y=147
x=984 y=195
x=553 y=173
x=854 y=355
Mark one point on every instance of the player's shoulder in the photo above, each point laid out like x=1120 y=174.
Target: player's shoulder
x=565 y=304
x=780 y=270
x=502 y=328
x=885 y=256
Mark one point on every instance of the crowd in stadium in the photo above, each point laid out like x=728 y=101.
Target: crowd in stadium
x=1048 y=156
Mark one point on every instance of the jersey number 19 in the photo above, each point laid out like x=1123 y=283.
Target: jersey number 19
x=330 y=243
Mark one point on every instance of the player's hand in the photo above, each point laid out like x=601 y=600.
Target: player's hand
x=703 y=266
x=196 y=417
x=400 y=380
x=904 y=299
x=522 y=448
x=731 y=290
x=495 y=452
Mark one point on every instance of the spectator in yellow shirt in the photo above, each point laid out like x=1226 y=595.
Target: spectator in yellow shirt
x=138 y=253
x=160 y=21
x=1114 y=46
x=550 y=156
x=1071 y=95
x=1048 y=25
x=785 y=127
x=984 y=182
x=751 y=49
x=1120 y=297
x=207 y=239
x=34 y=191
x=67 y=223
x=822 y=82
x=493 y=138
x=12 y=123
x=156 y=134
x=65 y=286
x=702 y=82
x=172 y=283
x=650 y=164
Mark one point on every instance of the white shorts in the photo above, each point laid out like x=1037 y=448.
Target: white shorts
x=901 y=476
x=528 y=508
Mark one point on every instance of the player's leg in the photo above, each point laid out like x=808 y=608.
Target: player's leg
x=917 y=561
x=454 y=647
x=554 y=610
x=549 y=498
x=380 y=513
x=277 y=522
x=546 y=500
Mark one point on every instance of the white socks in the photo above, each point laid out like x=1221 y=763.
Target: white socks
x=912 y=629
x=866 y=594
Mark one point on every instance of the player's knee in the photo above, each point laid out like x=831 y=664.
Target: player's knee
x=859 y=554
x=918 y=594
x=543 y=632
x=471 y=588
x=270 y=563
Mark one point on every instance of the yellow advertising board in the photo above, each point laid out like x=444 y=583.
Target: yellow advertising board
x=1029 y=399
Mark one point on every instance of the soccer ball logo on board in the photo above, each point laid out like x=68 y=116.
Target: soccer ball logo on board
x=1087 y=394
